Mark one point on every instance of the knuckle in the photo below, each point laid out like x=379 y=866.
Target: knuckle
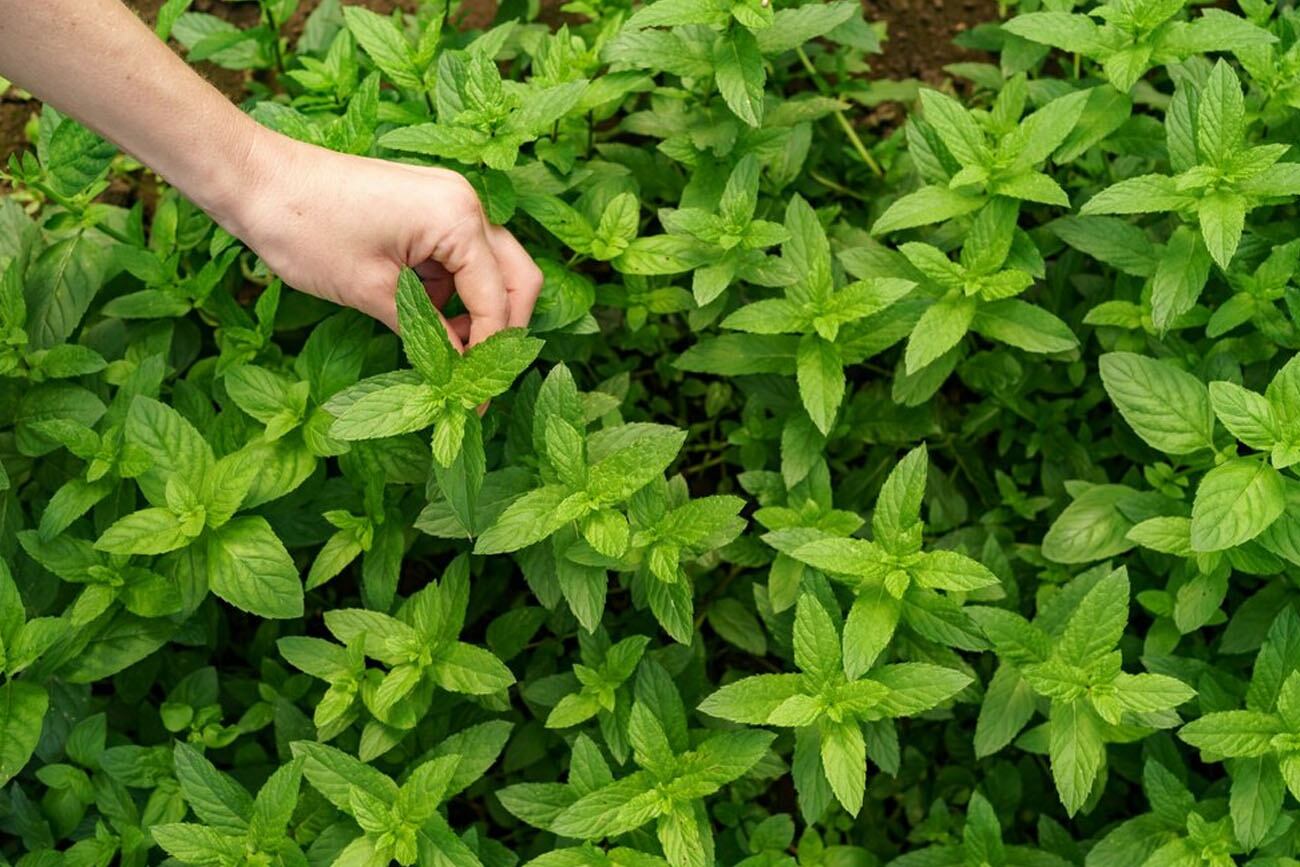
x=533 y=280
x=461 y=198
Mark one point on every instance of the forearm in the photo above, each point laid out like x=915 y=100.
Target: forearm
x=95 y=60
x=340 y=227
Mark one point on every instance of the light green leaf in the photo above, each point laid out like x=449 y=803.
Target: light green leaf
x=738 y=66
x=1235 y=502
x=22 y=712
x=1077 y=752
x=249 y=568
x=1168 y=407
x=820 y=374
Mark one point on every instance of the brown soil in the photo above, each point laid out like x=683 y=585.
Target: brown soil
x=921 y=32
x=14 y=115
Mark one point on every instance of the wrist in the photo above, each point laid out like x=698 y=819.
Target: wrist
x=227 y=186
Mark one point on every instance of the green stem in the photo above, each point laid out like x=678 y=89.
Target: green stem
x=704 y=465
x=714 y=594
x=69 y=205
x=836 y=187
x=277 y=56
x=114 y=234
x=840 y=117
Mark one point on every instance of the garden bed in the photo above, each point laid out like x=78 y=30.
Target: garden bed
x=904 y=486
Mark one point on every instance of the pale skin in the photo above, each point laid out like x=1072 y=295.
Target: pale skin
x=335 y=226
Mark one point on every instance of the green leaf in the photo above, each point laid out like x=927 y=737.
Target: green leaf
x=22 y=712
x=249 y=568
x=334 y=774
x=816 y=640
x=424 y=338
x=387 y=412
x=1145 y=194
x=844 y=758
x=1222 y=217
x=148 y=531
x=1168 y=407
x=544 y=107
x=898 y=505
x=1181 y=274
x=751 y=700
x=870 y=626
x=738 y=66
x=808 y=252
x=1247 y=415
x=940 y=328
x=1220 y=119
x=1023 y=325
x=1098 y=622
x=275 y=804
x=794 y=26
x=215 y=798
x=1111 y=240
x=1256 y=797
x=948 y=570
x=629 y=458
x=60 y=285
x=489 y=368
x=925 y=207
x=1233 y=734
x=820 y=374
x=1092 y=527
x=173 y=445
x=1235 y=502
x=526 y=521
x=197 y=844
x=1069 y=32
x=958 y=129
x=385 y=44
x=1078 y=753
x=614 y=809
x=465 y=668
x=915 y=687
x=1008 y=704
x=686 y=837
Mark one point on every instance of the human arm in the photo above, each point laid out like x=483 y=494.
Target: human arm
x=336 y=226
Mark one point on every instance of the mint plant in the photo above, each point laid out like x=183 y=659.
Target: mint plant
x=1077 y=669
x=1130 y=39
x=671 y=779
x=835 y=716
x=893 y=581
x=234 y=825
x=889 y=474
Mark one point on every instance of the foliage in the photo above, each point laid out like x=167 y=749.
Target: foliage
x=857 y=496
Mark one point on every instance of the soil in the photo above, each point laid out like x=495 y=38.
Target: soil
x=14 y=115
x=920 y=34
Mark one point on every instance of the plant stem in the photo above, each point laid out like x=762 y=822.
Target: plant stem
x=839 y=116
x=277 y=57
x=71 y=206
x=114 y=234
x=839 y=188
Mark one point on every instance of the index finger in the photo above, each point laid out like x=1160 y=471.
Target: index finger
x=523 y=278
x=469 y=259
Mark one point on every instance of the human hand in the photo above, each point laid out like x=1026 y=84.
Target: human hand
x=341 y=227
